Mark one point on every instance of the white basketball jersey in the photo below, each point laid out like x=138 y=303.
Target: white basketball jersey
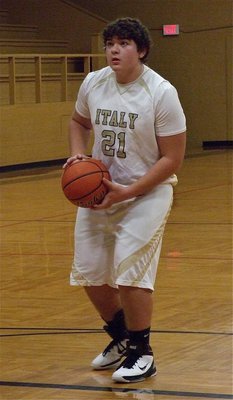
x=127 y=118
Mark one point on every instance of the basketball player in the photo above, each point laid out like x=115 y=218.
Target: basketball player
x=139 y=129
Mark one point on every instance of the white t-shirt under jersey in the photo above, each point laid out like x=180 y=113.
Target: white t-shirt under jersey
x=127 y=118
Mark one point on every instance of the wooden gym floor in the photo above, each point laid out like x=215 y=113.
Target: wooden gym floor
x=50 y=332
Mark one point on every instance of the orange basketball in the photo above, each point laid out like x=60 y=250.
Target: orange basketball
x=82 y=182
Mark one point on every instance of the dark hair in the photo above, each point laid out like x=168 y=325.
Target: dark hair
x=129 y=28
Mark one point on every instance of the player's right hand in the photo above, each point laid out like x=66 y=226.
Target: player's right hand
x=72 y=159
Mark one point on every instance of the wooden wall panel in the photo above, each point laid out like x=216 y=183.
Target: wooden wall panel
x=34 y=132
x=198 y=62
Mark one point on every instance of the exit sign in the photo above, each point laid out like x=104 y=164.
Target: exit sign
x=171 y=30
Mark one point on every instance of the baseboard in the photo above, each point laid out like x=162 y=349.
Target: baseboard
x=32 y=165
x=217 y=144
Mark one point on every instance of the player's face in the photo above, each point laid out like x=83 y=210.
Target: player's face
x=124 y=58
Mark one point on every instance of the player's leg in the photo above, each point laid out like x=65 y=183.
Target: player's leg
x=105 y=299
x=93 y=255
x=107 y=302
x=138 y=306
x=138 y=251
x=139 y=363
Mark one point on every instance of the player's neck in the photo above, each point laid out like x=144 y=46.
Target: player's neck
x=125 y=77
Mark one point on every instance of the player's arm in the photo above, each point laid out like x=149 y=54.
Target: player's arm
x=172 y=150
x=79 y=135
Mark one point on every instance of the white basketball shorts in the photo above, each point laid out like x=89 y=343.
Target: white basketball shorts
x=121 y=245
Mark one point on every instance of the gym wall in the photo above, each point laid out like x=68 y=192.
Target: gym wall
x=198 y=62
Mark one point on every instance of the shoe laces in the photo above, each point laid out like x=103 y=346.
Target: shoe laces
x=115 y=342
x=132 y=357
x=134 y=353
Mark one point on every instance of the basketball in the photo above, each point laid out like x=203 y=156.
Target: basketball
x=82 y=182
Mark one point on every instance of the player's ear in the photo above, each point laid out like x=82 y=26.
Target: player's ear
x=141 y=54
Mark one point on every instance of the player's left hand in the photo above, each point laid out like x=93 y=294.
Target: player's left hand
x=116 y=193
x=75 y=158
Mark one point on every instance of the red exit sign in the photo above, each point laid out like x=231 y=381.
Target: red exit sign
x=171 y=30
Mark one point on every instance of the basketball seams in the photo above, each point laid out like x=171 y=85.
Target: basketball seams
x=88 y=173
x=89 y=193
x=76 y=182
x=82 y=176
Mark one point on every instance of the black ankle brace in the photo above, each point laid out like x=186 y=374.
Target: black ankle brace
x=140 y=337
x=117 y=328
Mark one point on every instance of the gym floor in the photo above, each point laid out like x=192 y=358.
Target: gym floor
x=50 y=332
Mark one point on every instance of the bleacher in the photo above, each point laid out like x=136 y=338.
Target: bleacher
x=35 y=72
